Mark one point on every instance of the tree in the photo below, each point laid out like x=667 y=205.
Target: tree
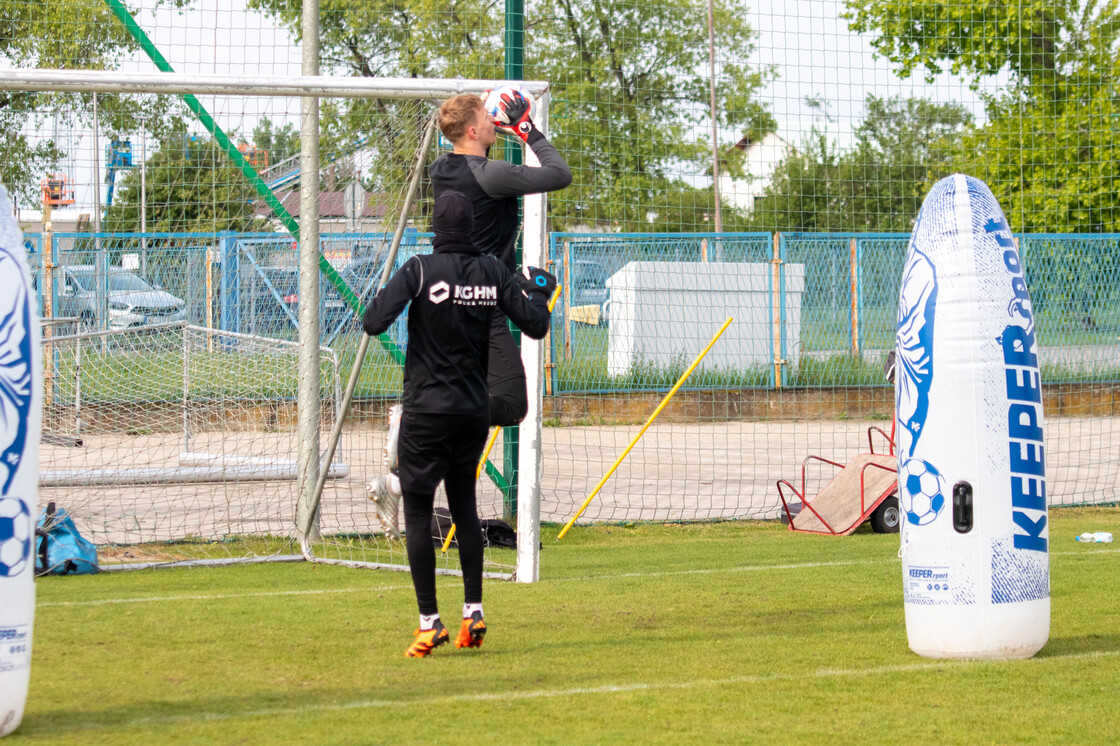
x=281 y=142
x=976 y=38
x=70 y=35
x=901 y=148
x=191 y=186
x=1048 y=149
x=631 y=101
x=629 y=98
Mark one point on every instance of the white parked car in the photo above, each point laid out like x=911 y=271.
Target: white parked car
x=130 y=300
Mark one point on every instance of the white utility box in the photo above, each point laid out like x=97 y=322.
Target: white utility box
x=662 y=314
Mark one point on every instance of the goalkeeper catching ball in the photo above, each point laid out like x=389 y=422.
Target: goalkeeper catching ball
x=493 y=188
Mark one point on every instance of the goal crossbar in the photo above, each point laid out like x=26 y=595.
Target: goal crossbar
x=112 y=81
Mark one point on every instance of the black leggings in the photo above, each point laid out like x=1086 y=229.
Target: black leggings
x=434 y=448
x=505 y=376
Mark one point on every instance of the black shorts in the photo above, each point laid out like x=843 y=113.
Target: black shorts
x=430 y=444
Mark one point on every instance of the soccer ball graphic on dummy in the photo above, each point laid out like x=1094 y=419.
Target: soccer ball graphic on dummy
x=922 y=489
x=494 y=99
x=15 y=536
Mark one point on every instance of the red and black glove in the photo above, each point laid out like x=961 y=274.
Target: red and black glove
x=513 y=116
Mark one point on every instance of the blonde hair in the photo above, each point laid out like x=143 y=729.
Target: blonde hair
x=457 y=114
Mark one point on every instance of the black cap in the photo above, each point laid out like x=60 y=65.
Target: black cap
x=452 y=220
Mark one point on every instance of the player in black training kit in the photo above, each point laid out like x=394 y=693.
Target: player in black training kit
x=455 y=292
x=493 y=187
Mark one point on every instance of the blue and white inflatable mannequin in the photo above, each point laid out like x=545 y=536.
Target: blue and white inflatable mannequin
x=20 y=419
x=971 y=466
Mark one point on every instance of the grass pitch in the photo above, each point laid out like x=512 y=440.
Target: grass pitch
x=716 y=633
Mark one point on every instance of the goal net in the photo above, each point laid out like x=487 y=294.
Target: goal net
x=172 y=318
x=175 y=443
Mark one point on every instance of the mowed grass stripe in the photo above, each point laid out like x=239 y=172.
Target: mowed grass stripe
x=373 y=589
x=439 y=700
x=711 y=633
x=450 y=584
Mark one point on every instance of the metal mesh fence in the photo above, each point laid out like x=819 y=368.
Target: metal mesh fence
x=825 y=323
x=781 y=151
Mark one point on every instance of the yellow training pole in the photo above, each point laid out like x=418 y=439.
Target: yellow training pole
x=641 y=432
x=478 y=473
x=494 y=435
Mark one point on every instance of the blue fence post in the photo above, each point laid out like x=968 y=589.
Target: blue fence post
x=855 y=249
x=228 y=253
x=33 y=242
x=782 y=313
x=772 y=287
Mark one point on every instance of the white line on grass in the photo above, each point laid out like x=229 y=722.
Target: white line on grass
x=795 y=566
x=619 y=576
x=220 y=596
x=739 y=568
x=1086 y=551
x=510 y=696
x=324 y=591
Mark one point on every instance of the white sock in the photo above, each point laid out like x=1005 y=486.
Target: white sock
x=469 y=609
x=427 y=621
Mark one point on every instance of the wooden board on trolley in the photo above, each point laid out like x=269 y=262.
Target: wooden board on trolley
x=839 y=504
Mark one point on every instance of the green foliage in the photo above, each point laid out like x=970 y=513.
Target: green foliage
x=23 y=161
x=631 y=105
x=71 y=35
x=401 y=38
x=281 y=142
x=901 y=148
x=629 y=82
x=980 y=37
x=836 y=370
x=393 y=129
x=191 y=186
x=1048 y=149
x=1050 y=153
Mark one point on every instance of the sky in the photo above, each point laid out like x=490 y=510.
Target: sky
x=818 y=57
x=815 y=55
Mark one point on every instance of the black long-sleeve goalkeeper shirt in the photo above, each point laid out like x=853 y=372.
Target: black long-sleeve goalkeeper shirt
x=454 y=293
x=493 y=187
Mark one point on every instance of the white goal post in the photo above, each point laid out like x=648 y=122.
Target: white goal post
x=529 y=457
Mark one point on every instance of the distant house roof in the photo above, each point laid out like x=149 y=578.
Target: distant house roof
x=760 y=159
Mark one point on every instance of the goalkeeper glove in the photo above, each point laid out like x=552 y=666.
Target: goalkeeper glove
x=538 y=281
x=513 y=116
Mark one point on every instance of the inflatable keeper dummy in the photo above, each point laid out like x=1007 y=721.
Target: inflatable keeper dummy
x=21 y=399
x=968 y=403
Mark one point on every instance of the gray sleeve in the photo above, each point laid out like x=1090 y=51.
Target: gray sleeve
x=505 y=179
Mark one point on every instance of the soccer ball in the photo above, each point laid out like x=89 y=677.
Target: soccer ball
x=494 y=99
x=15 y=536
x=922 y=489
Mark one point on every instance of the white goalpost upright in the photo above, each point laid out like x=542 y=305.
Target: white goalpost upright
x=530 y=455
x=342 y=528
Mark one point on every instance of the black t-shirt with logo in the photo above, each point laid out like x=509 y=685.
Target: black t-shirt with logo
x=454 y=293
